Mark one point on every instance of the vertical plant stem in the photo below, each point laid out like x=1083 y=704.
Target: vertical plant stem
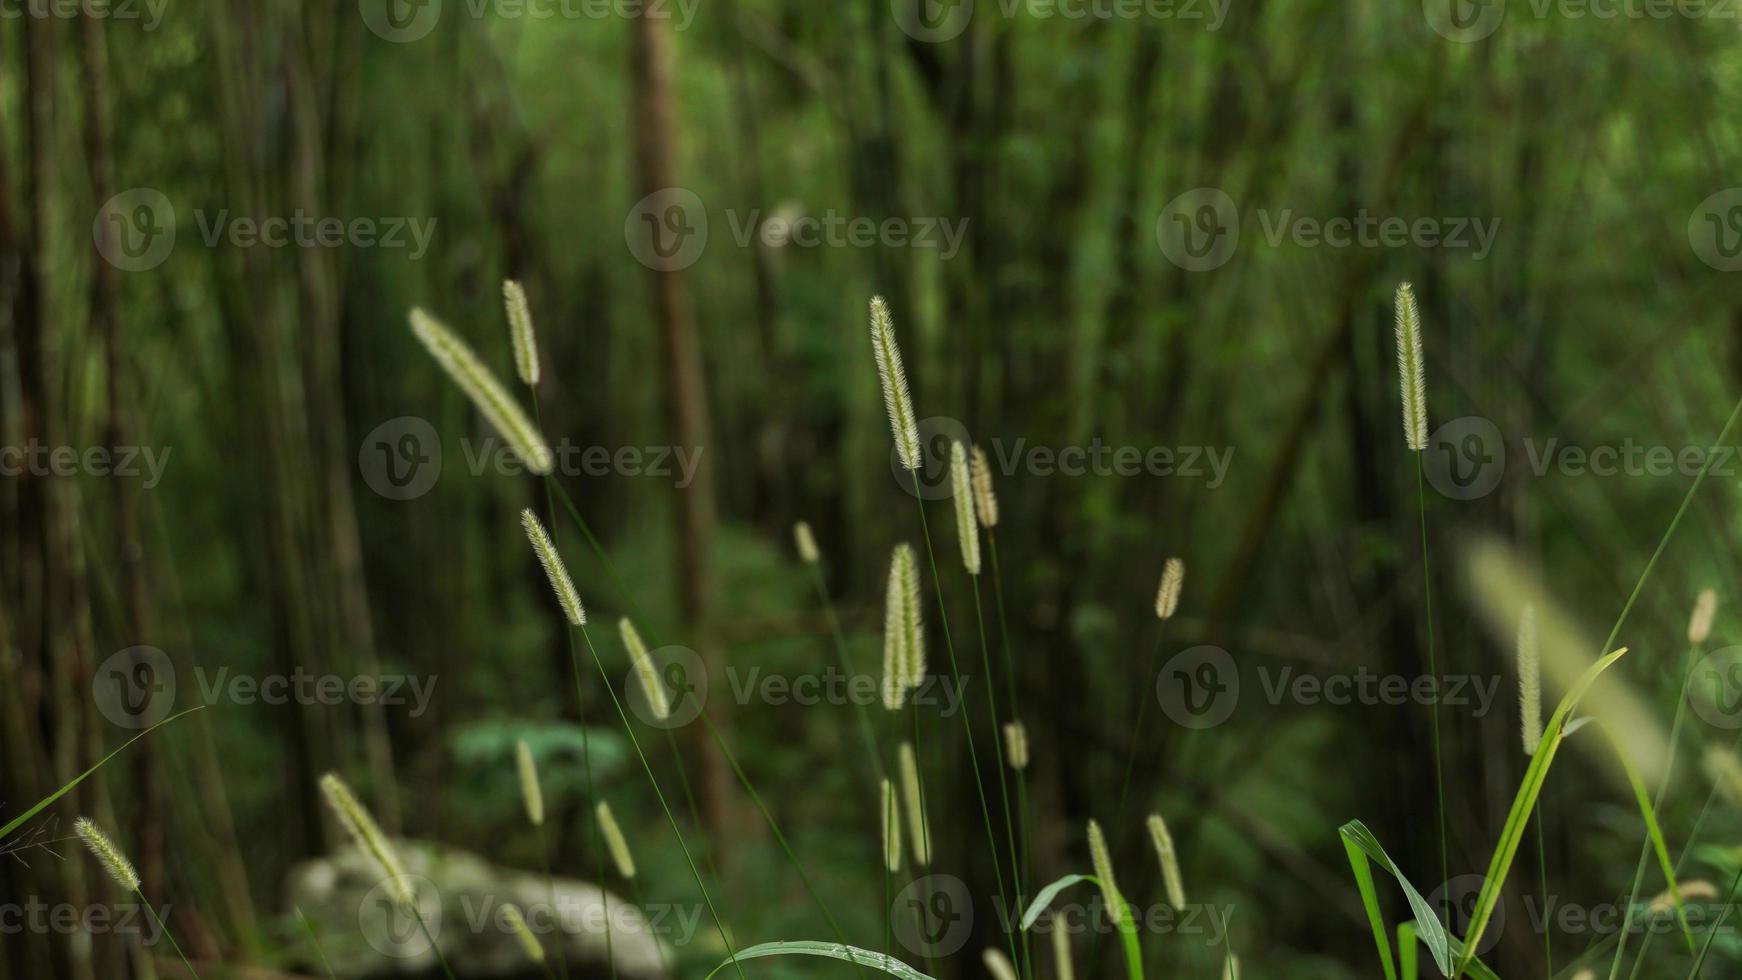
x=998 y=757
x=864 y=714
x=1542 y=877
x=924 y=843
x=433 y=945
x=164 y=927
x=622 y=716
x=967 y=724
x=544 y=852
x=1015 y=713
x=1434 y=670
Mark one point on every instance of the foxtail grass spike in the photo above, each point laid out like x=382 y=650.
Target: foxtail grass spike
x=1103 y=864
x=918 y=833
x=523 y=933
x=107 y=854
x=1231 y=968
x=1173 y=580
x=806 y=542
x=530 y=792
x=520 y=331
x=1700 y=623
x=897 y=400
x=903 y=630
x=891 y=829
x=1164 y=852
x=652 y=688
x=1411 y=378
x=1689 y=891
x=615 y=842
x=367 y=834
x=998 y=965
x=985 y=499
x=962 y=493
x=484 y=390
x=1061 y=952
x=554 y=569
x=1529 y=681
x=1016 y=744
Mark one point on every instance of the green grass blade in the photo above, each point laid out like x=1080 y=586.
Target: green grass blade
x=1522 y=805
x=1370 y=901
x=1406 y=954
x=1655 y=832
x=833 y=951
x=1126 y=919
x=43 y=804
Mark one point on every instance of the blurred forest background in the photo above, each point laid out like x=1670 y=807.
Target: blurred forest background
x=261 y=378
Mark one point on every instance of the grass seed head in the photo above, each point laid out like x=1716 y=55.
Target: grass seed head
x=1016 y=745
x=520 y=332
x=107 y=854
x=1173 y=579
x=1103 y=863
x=486 y=393
x=522 y=933
x=998 y=965
x=985 y=499
x=890 y=812
x=897 y=400
x=646 y=673
x=962 y=495
x=615 y=842
x=1700 y=623
x=807 y=543
x=1411 y=378
x=530 y=792
x=917 y=830
x=1529 y=681
x=368 y=836
x=554 y=569
x=1164 y=852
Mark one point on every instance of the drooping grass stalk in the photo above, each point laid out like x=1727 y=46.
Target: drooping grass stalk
x=532 y=801
x=1432 y=669
x=315 y=941
x=1167 y=595
x=1009 y=677
x=121 y=870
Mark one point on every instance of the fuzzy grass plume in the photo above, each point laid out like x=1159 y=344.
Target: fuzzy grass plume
x=1700 y=623
x=523 y=933
x=962 y=494
x=1173 y=580
x=897 y=400
x=652 y=688
x=917 y=831
x=481 y=386
x=985 y=500
x=1411 y=378
x=1164 y=852
x=806 y=542
x=1529 y=681
x=363 y=829
x=1103 y=863
x=530 y=793
x=903 y=631
x=107 y=854
x=1061 y=952
x=998 y=965
x=891 y=829
x=615 y=842
x=520 y=331
x=1016 y=744
x=554 y=569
